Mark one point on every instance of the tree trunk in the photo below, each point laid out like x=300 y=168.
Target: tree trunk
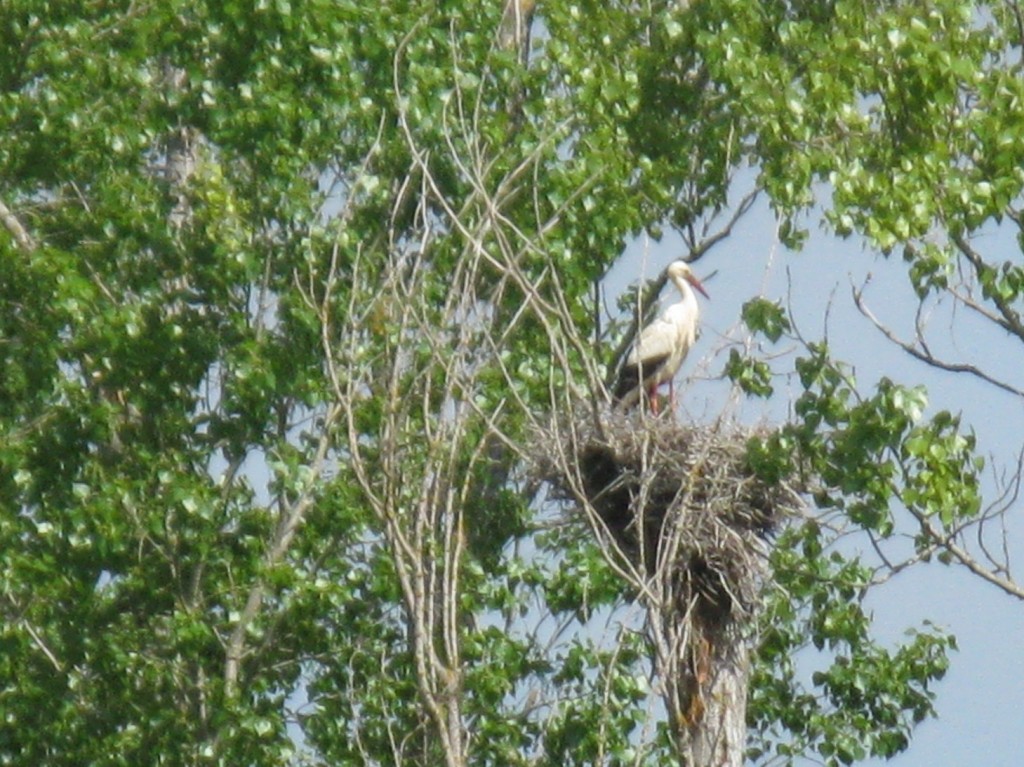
x=180 y=161
x=717 y=736
x=514 y=32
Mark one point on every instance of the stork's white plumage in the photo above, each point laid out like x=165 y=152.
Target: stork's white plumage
x=662 y=346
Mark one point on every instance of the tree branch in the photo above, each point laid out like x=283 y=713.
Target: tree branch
x=11 y=223
x=290 y=521
x=924 y=355
x=1009 y=319
x=965 y=558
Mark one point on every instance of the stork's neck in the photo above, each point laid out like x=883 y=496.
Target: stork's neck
x=685 y=290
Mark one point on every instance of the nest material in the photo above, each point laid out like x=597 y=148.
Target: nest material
x=658 y=485
x=683 y=506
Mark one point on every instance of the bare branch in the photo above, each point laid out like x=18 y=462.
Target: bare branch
x=38 y=640
x=700 y=249
x=965 y=558
x=997 y=509
x=923 y=354
x=21 y=236
x=1009 y=319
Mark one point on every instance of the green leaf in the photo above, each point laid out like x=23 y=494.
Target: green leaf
x=766 y=317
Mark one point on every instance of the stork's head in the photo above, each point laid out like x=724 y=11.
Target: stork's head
x=679 y=271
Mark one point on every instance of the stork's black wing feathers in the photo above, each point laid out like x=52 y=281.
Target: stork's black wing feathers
x=629 y=376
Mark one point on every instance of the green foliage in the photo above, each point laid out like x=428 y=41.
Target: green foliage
x=582 y=731
x=765 y=317
x=873 y=451
x=864 y=457
x=582 y=583
x=862 y=699
x=752 y=375
x=941 y=471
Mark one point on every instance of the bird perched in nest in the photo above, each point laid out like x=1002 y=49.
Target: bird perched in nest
x=662 y=345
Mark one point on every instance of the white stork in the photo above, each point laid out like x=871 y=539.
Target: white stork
x=661 y=346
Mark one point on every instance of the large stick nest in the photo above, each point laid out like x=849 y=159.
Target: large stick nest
x=678 y=500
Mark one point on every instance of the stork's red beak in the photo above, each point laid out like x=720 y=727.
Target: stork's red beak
x=696 y=283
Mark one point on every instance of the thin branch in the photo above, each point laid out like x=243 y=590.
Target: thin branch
x=291 y=519
x=21 y=236
x=924 y=355
x=1009 y=319
x=38 y=640
x=964 y=557
x=997 y=509
x=709 y=242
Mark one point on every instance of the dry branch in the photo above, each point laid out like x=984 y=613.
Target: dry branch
x=17 y=231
